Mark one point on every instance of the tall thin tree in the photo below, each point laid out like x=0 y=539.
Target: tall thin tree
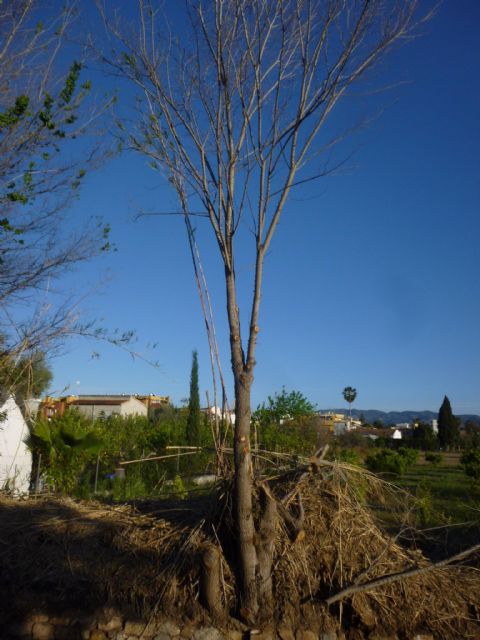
x=448 y=426
x=193 y=418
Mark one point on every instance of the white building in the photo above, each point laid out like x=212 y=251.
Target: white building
x=104 y=406
x=15 y=457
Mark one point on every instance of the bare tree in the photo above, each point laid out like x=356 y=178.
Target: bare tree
x=45 y=114
x=233 y=102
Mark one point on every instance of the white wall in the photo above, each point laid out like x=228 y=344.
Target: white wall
x=127 y=407
x=133 y=407
x=15 y=458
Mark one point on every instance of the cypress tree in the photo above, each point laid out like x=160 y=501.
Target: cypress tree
x=193 y=418
x=448 y=426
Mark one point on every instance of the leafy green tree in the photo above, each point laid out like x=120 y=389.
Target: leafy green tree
x=194 y=415
x=349 y=394
x=285 y=422
x=448 y=426
x=283 y=406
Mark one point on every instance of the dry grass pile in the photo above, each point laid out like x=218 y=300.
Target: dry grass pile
x=344 y=546
x=60 y=552
x=146 y=558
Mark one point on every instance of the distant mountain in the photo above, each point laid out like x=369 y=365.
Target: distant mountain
x=397 y=417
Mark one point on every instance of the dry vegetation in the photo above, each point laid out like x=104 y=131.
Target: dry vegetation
x=146 y=558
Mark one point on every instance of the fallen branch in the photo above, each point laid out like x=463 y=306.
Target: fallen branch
x=394 y=577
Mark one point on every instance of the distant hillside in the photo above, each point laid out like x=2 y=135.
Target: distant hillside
x=396 y=417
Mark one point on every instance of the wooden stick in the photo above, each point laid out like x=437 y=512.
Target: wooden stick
x=172 y=455
x=174 y=446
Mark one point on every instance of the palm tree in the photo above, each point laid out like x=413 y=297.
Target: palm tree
x=349 y=393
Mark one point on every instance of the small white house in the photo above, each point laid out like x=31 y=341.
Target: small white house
x=15 y=457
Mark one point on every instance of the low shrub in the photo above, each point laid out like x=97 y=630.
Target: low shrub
x=435 y=459
x=471 y=464
x=389 y=461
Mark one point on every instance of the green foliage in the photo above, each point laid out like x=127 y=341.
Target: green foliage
x=45 y=116
x=410 y=455
x=390 y=461
x=349 y=394
x=285 y=423
x=71 y=444
x=471 y=464
x=424 y=501
x=435 y=459
x=29 y=377
x=297 y=436
x=472 y=435
x=130 y=437
x=283 y=406
x=67 y=445
x=448 y=426
x=349 y=456
x=194 y=416
x=71 y=80
x=178 y=488
x=13 y=114
x=424 y=437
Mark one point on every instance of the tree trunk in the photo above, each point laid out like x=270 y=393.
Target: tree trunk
x=243 y=479
x=243 y=499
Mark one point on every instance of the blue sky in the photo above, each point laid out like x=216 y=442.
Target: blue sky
x=372 y=280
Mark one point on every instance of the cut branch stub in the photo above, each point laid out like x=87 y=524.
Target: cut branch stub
x=210 y=582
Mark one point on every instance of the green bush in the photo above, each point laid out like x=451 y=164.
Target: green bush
x=435 y=459
x=386 y=461
x=410 y=455
x=471 y=464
